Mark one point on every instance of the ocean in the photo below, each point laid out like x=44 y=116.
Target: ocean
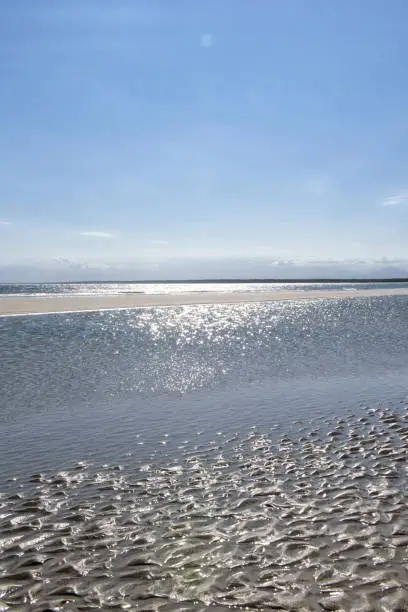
x=120 y=288
x=226 y=456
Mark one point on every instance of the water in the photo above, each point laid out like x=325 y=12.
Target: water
x=114 y=288
x=202 y=457
x=87 y=383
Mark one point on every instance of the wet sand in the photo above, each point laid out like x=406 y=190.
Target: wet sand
x=43 y=305
x=313 y=520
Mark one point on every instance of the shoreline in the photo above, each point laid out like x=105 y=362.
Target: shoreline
x=22 y=306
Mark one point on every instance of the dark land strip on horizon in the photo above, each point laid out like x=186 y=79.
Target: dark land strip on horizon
x=221 y=281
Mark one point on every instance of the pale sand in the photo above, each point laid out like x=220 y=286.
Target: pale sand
x=313 y=520
x=52 y=304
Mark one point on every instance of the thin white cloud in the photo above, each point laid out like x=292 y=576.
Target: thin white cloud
x=69 y=263
x=335 y=263
x=396 y=199
x=97 y=234
x=206 y=40
x=5 y=222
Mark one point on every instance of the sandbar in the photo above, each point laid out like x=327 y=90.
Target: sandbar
x=59 y=304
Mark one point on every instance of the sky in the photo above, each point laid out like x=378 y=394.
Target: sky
x=191 y=139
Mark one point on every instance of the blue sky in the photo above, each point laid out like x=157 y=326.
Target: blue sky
x=202 y=138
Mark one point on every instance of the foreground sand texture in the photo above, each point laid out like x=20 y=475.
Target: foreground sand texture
x=313 y=520
x=36 y=305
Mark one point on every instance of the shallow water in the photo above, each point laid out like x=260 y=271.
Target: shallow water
x=85 y=385
x=247 y=456
x=317 y=520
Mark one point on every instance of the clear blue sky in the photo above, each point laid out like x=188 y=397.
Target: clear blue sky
x=202 y=137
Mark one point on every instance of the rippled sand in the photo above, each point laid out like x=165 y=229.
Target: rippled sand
x=45 y=305
x=317 y=520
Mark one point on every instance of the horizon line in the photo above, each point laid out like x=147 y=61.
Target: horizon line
x=397 y=279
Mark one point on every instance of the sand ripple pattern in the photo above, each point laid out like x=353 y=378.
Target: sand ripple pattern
x=317 y=520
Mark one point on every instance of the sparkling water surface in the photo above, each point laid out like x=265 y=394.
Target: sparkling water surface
x=246 y=456
x=114 y=288
x=87 y=383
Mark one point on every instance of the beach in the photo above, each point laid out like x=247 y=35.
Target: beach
x=314 y=520
x=247 y=453
x=42 y=305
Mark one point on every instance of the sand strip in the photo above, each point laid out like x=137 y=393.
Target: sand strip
x=52 y=304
